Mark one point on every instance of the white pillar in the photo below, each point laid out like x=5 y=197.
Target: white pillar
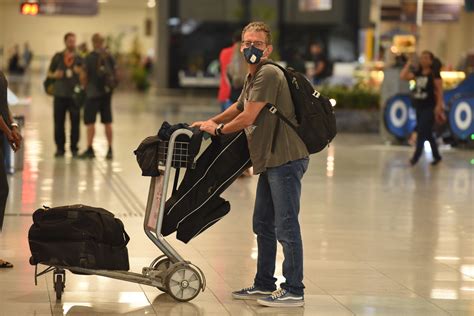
x=419 y=13
x=162 y=44
x=377 y=29
x=419 y=23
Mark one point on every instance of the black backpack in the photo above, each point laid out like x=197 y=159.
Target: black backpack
x=106 y=71
x=153 y=150
x=148 y=156
x=314 y=112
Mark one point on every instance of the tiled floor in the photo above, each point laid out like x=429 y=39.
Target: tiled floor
x=380 y=238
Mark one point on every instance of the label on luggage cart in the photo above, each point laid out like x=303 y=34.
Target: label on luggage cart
x=155 y=206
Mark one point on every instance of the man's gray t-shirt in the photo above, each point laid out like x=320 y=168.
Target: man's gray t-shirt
x=270 y=86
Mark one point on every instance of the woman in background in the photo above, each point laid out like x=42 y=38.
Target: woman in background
x=427 y=98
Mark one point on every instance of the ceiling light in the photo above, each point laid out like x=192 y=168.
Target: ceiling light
x=151 y=3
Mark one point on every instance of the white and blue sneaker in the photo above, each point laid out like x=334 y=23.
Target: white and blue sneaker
x=250 y=293
x=282 y=298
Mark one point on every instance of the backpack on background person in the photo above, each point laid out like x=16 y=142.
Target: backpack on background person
x=106 y=72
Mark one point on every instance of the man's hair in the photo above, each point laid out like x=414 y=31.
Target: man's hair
x=259 y=27
x=97 y=38
x=68 y=34
x=436 y=64
x=321 y=45
x=427 y=52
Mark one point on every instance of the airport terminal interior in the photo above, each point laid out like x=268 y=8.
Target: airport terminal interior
x=380 y=237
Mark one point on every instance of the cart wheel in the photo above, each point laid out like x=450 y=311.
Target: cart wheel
x=183 y=283
x=59 y=279
x=162 y=265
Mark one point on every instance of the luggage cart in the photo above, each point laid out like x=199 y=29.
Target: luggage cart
x=169 y=272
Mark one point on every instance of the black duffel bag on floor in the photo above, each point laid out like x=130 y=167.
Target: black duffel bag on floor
x=78 y=236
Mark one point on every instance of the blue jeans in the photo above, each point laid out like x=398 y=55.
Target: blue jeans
x=275 y=217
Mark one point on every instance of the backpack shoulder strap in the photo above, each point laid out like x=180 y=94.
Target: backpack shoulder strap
x=275 y=64
x=273 y=110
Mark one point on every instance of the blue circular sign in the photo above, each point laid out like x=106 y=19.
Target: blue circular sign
x=399 y=116
x=461 y=117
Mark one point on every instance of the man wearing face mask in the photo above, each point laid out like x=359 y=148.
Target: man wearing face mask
x=280 y=158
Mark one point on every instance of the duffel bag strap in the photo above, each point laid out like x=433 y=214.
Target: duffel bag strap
x=127 y=238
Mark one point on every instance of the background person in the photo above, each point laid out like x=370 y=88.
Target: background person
x=65 y=68
x=99 y=79
x=9 y=129
x=14 y=63
x=321 y=63
x=237 y=70
x=223 y=94
x=83 y=50
x=428 y=101
x=27 y=56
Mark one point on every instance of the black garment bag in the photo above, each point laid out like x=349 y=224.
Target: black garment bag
x=197 y=205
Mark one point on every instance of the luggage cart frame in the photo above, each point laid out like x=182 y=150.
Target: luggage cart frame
x=169 y=272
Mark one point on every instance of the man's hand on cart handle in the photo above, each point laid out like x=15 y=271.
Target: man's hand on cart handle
x=209 y=127
x=199 y=123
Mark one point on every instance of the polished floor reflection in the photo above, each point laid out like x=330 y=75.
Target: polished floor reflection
x=380 y=237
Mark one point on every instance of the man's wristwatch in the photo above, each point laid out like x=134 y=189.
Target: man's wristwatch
x=218 y=130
